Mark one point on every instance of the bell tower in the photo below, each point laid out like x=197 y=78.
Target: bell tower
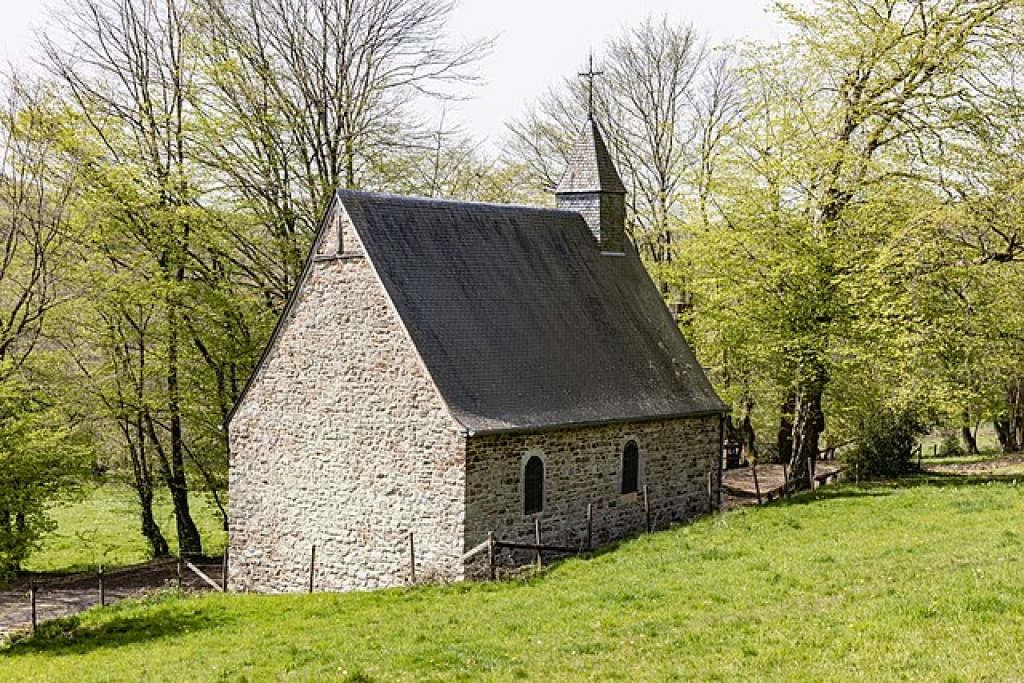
x=591 y=186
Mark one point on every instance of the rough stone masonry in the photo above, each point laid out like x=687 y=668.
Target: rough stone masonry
x=430 y=351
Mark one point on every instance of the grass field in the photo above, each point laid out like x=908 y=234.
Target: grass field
x=103 y=527
x=921 y=582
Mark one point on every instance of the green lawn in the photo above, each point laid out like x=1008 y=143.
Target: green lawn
x=103 y=527
x=920 y=582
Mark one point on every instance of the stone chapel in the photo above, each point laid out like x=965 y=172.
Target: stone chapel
x=451 y=369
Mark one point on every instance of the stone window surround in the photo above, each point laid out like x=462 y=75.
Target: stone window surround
x=622 y=468
x=527 y=456
x=641 y=469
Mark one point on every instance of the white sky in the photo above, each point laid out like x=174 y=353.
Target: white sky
x=538 y=42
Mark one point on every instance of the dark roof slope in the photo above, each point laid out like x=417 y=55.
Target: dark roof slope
x=590 y=167
x=520 y=319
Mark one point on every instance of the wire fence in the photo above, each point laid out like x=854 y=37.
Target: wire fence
x=31 y=600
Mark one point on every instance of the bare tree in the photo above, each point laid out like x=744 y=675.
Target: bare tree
x=317 y=95
x=663 y=102
x=650 y=102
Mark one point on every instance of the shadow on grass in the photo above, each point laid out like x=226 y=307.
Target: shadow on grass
x=833 y=492
x=79 y=635
x=880 y=487
x=943 y=480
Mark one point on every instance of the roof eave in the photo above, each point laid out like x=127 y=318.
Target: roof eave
x=722 y=410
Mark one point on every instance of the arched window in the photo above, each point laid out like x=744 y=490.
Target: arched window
x=630 y=468
x=533 y=485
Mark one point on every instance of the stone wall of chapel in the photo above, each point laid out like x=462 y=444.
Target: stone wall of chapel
x=583 y=466
x=342 y=442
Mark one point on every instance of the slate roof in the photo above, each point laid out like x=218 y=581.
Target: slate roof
x=590 y=167
x=521 y=321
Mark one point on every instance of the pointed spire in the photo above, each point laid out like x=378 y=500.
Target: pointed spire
x=590 y=168
x=592 y=187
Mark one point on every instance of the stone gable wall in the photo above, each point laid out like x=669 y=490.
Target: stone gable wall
x=343 y=442
x=584 y=466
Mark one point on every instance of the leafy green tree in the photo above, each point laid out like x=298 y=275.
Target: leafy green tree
x=853 y=109
x=41 y=452
x=128 y=73
x=42 y=462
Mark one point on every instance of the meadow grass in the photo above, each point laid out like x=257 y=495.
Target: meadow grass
x=917 y=581
x=104 y=527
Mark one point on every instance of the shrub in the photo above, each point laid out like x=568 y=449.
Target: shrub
x=951 y=446
x=886 y=443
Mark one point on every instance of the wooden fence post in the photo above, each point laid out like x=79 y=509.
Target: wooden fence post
x=590 y=526
x=178 y=571
x=224 y=572
x=490 y=555
x=536 y=536
x=757 y=485
x=647 y=509
x=312 y=567
x=711 y=498
x=103 y=592
x=412 y=558
x=32 y=597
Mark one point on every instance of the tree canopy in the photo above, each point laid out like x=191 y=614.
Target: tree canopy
x=834 y=219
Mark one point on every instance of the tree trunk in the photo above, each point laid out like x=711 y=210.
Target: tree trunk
x=785 y=437
x=1011 y=427
x=808 y=424
x=188 y=535
x=143 y=485
x=1003 y=432
x=967 y=434
x=747 y=438
x=150 y=529
x=134 y=433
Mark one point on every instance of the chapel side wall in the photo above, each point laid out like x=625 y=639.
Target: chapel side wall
x=583 y=466
x=342 y=442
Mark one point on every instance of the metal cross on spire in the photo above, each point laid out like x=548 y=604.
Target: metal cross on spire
x=590 y=74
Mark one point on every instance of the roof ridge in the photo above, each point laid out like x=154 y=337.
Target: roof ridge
x=440 y=201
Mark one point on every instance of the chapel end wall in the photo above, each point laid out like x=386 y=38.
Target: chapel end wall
x=343 y=443
x=583 y=466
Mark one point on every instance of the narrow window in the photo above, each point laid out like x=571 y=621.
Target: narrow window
x=630 y=468
x=533 y=486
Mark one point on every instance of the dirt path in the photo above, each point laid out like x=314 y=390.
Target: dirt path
x=740 y=488
x=1005 y=464
x=63 y=595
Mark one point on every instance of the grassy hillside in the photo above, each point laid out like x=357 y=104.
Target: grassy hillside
x=103 y=527
x=922 y=583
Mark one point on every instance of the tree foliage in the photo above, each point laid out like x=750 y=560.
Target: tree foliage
x=207 y=137
x=838 y=212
